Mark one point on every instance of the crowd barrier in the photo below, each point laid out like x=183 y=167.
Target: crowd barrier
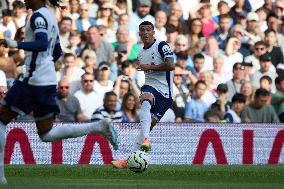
x=172 y=143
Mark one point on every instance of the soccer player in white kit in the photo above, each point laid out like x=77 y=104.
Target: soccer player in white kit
x=156 y=60
x=36 y=92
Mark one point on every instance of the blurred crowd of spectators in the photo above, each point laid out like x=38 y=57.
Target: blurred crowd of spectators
x=228 y=57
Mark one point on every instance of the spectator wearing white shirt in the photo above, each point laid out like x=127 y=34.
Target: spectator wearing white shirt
x=89 y=100
x=160 y=22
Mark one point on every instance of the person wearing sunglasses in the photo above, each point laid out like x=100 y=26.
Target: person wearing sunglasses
x=69 y=106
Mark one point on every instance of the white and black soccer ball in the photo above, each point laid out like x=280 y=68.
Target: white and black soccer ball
x=138 y=161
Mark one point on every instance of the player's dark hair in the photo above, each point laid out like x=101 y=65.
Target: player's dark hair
x=266 y=77
x=55 y=2
x=146 y=23
x=261 y=92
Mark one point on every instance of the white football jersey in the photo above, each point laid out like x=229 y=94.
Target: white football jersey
x=40 y=69
x=156 y=54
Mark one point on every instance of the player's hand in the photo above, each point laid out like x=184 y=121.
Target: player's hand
x=11 y=43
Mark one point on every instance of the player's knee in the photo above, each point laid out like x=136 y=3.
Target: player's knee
x=147 y=97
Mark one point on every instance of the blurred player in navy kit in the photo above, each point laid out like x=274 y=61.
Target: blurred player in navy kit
x=36 y=92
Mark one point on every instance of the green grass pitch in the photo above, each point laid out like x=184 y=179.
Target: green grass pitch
x=156 y=177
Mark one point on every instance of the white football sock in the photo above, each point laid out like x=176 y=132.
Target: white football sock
x=2 y=149
x=138 y=142
x=145 y=118
x=71 y=130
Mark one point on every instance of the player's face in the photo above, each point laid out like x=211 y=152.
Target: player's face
x=146 y=32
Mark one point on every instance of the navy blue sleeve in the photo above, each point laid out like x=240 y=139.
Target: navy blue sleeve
x=165 y=50
x=57 y=51
x=39 y=44
x=39 y=26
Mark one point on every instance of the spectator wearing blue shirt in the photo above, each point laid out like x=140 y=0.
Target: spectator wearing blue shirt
x=195 y=108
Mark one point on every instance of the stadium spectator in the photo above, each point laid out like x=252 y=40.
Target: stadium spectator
x=69 y=106
x=222 y=32
x=19 y=13
x=105 y=17
x=258 y=50
x=234 y=84
x=89 y=59
x=248 y=91
x=176 y=10
x=242 y=35
x=108 y=110
x=74 y=10
x=171 y=33
x=219 y=75
x=173 y=20
x=123 y=21
x=123 y=40
x=209 y=96
x=265 y=63
x=232 y=55
x=259 y=111
x=211 y=116
x=238 y=105
x=262 y=15
x=89 y=99
x=223 y=9
x=240 y=7
x=273 y=50
x=248 y=70
x=141 y=14
x=278 y=98
x=63 y=11
x=103 y=84
x=208 y=24
x=65 y=27
x=273 y=22
x=84 y=21
x=196 y=39
x=211 y=49
x=188 y=72
x=278 y=8
x=265 y=82
x=130 y=108
x=71 y=72
x=8 y=65
x=180 y=94
x=3 y=80
x=198 y=65
x=7 y=26
x=160 y=22
x=221 y=105
x=3 y=89
x=93 y=8
x=74 y=43
x=253 y=29
x=103 y=49
x=195 y=108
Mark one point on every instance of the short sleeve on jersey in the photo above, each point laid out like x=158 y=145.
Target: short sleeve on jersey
x=38 y=23
x=165 y=50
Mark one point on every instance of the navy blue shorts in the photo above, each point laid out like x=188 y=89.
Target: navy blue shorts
x=161 y=103
x=24 y=99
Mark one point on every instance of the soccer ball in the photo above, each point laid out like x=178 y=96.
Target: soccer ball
x=138 y=161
